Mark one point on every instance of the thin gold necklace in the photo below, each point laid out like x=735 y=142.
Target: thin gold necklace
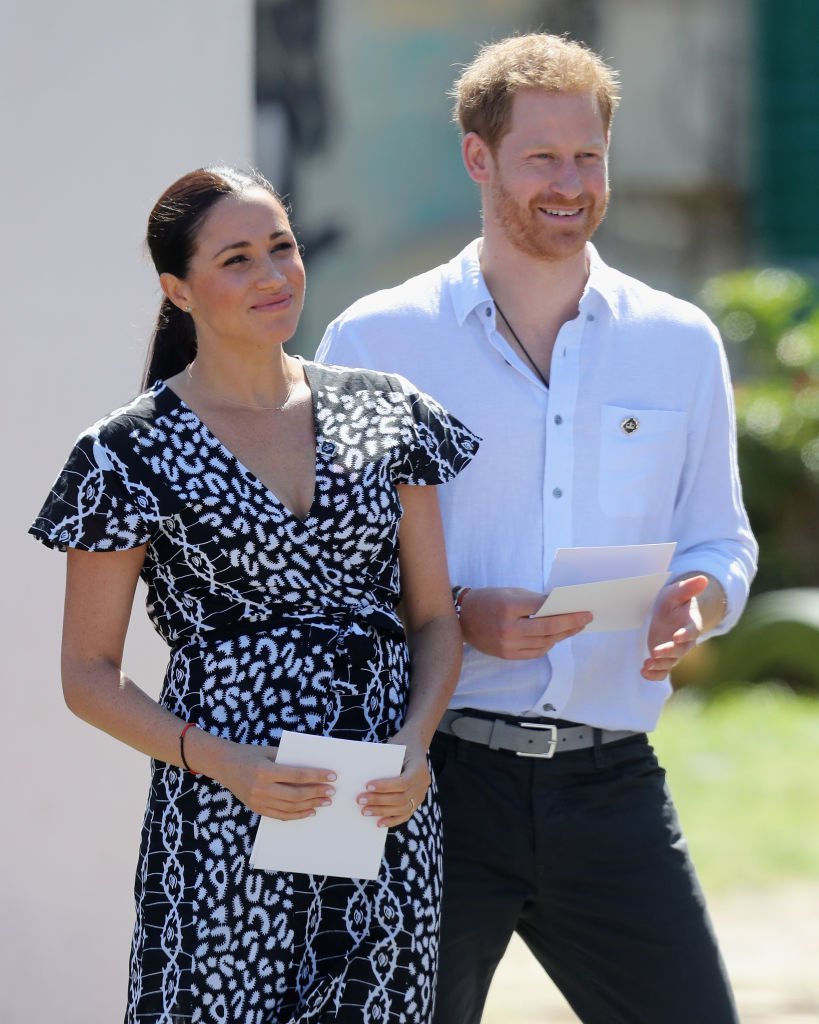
x=523 y=348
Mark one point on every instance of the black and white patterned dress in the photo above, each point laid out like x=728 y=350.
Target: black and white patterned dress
x=273 y=622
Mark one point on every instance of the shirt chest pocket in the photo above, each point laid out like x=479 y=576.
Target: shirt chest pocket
x=641 y=453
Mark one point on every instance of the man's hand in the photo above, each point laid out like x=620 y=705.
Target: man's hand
x=495 y=620
x=675 y=626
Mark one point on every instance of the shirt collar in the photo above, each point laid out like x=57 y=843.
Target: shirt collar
x=466 y=284
x=601 y=280
x=468 y=288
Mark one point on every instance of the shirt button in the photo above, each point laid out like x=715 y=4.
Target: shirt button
x=558 y=419
x=548 y=707
x=489 y=311
x=590 y=316
x=557 y=492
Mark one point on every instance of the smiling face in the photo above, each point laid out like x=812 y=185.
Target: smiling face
x=245 y=280
x=546 y=184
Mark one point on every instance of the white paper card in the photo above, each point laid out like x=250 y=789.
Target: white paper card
x=615 y=604
x=595 y=564
x=339 y=839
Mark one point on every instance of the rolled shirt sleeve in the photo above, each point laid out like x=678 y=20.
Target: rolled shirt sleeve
x=710 y=523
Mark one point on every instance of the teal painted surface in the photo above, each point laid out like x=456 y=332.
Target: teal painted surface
x=787 y=162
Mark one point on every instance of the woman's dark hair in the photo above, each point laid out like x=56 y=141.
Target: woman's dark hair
x=172 y=230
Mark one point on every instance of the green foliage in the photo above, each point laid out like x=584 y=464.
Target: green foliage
x=770 y=322
x=775 y=641
x=742 y=772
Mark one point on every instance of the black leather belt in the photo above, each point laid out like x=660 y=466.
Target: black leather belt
x=526 y=739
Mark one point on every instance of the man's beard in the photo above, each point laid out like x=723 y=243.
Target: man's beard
x=526 y=229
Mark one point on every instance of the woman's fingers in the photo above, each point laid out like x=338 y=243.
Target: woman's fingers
x=298 y=784
x=390 y=821
x=281 y=813
x=285 y=801
x=394 y=801
x=289 y=793
x=277 y=791
x=391 y=809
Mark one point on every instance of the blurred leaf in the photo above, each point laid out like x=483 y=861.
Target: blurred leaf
x=770 y=322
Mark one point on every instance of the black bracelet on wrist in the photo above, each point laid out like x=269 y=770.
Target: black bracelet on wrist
x=190 y=725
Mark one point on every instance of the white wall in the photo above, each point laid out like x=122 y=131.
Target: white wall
x=102 y=105
x=680 y=144
x=683 y=123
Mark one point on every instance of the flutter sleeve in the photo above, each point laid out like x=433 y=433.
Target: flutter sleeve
x=96 y=502
x=436 y=445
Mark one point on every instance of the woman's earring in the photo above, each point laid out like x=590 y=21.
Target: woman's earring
x=188 y=309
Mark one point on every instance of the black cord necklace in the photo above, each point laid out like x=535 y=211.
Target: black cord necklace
x=523 y=348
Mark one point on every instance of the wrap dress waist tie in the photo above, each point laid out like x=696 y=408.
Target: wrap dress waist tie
x=376 y=617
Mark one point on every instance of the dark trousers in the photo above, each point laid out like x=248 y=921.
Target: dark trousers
x=582 y=855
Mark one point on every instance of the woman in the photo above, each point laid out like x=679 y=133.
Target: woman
x=261 y=499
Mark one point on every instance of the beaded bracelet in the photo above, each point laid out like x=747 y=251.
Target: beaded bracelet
x=458 y=595
x=190 y=725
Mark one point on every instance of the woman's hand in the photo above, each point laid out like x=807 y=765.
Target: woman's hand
x=394 y=801
x=252 y=775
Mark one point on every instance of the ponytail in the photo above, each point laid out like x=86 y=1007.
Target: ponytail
x=173 y=344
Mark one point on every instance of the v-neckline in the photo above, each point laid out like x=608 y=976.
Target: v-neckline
x=245 y=470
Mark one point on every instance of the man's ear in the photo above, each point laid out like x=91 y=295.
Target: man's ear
x=477 y=157
x=175 y=289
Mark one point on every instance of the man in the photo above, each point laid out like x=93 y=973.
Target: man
x=606 y=416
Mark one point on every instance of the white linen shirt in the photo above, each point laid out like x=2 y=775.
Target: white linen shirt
x=556 y=469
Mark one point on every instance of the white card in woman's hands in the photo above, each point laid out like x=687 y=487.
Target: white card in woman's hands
x=339 y=839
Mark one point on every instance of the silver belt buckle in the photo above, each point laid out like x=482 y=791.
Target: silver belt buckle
x=552 y=739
